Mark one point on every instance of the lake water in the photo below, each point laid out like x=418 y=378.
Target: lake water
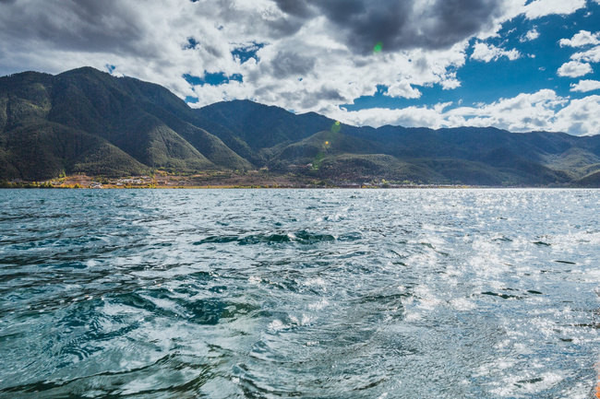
x=299 y=293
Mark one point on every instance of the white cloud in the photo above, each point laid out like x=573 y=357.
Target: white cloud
x=542 y=8
x=591 y=55
x=543 y=110
x=312 y=57
x=487 y=53
x=316 y=38
x=403 y=89
x=450 y=82
x=585 y=86
x=583 y=38
x=336 y=78
x=580 y=117
x=524 y=112
x=303 y=65
x=574 y=69
x=531 y=35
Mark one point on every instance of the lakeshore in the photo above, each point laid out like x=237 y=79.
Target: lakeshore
x=213 y=180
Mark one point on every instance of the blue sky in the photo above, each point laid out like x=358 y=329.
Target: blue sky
x=520 y=65
x=535 y=68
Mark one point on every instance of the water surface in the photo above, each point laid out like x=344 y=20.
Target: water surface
x=299 y=293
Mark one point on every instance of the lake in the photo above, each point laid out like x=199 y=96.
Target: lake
x=299 y=293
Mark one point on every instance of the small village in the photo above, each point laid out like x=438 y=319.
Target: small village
x=204 y=181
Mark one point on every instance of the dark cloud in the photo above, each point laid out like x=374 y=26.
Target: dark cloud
x=299 y=8
x=228 y=13
x=304 y=98
x=284 y=27
x=80 y=25
x=456 y=20
x=399 y=24
x=288 y=63
x=115 y=26
x=324 y=94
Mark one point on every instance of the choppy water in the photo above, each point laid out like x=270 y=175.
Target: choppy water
x=299 y=293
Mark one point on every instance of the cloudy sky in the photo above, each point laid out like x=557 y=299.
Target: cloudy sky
x=520 y=65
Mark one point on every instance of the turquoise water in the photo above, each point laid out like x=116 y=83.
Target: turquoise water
x=299 y=293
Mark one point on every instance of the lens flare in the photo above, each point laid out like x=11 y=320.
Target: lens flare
x=378 y=48
x=337 y=126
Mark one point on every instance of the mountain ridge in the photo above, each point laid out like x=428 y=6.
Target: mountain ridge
x=88 y=121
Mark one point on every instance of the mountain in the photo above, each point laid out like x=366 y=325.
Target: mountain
x=87 y=121
x=476 y=156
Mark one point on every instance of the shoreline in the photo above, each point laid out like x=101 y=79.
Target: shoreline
x=207 y=181
x=216 y=180
x=29 y=186
x=256 y=187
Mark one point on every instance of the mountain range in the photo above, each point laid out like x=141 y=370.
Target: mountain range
x=89 y=122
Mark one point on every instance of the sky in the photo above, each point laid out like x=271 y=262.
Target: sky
x=519 y=65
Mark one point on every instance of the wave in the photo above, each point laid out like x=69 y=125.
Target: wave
x=300 y=237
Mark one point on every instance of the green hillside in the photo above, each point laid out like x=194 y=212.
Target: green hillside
x=86 y=121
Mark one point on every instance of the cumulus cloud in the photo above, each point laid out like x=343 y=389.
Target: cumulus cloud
x=574 y=69
x=521 y=113
x=580 y=117
x=592 y=55
x=429 y=24
x=531 y=35
x=541 y=8
x=485 y=52
x=306 y=47
x=290 y=63
x=403 y=89
x=584 y=86
x=306 y=55
x=583 y=38
x=543 y=110
x=71 y=25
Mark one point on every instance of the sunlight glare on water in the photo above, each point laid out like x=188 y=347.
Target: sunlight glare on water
x=299 y=293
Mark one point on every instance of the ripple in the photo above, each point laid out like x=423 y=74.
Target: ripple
x=298 y=293
x=302 y=237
